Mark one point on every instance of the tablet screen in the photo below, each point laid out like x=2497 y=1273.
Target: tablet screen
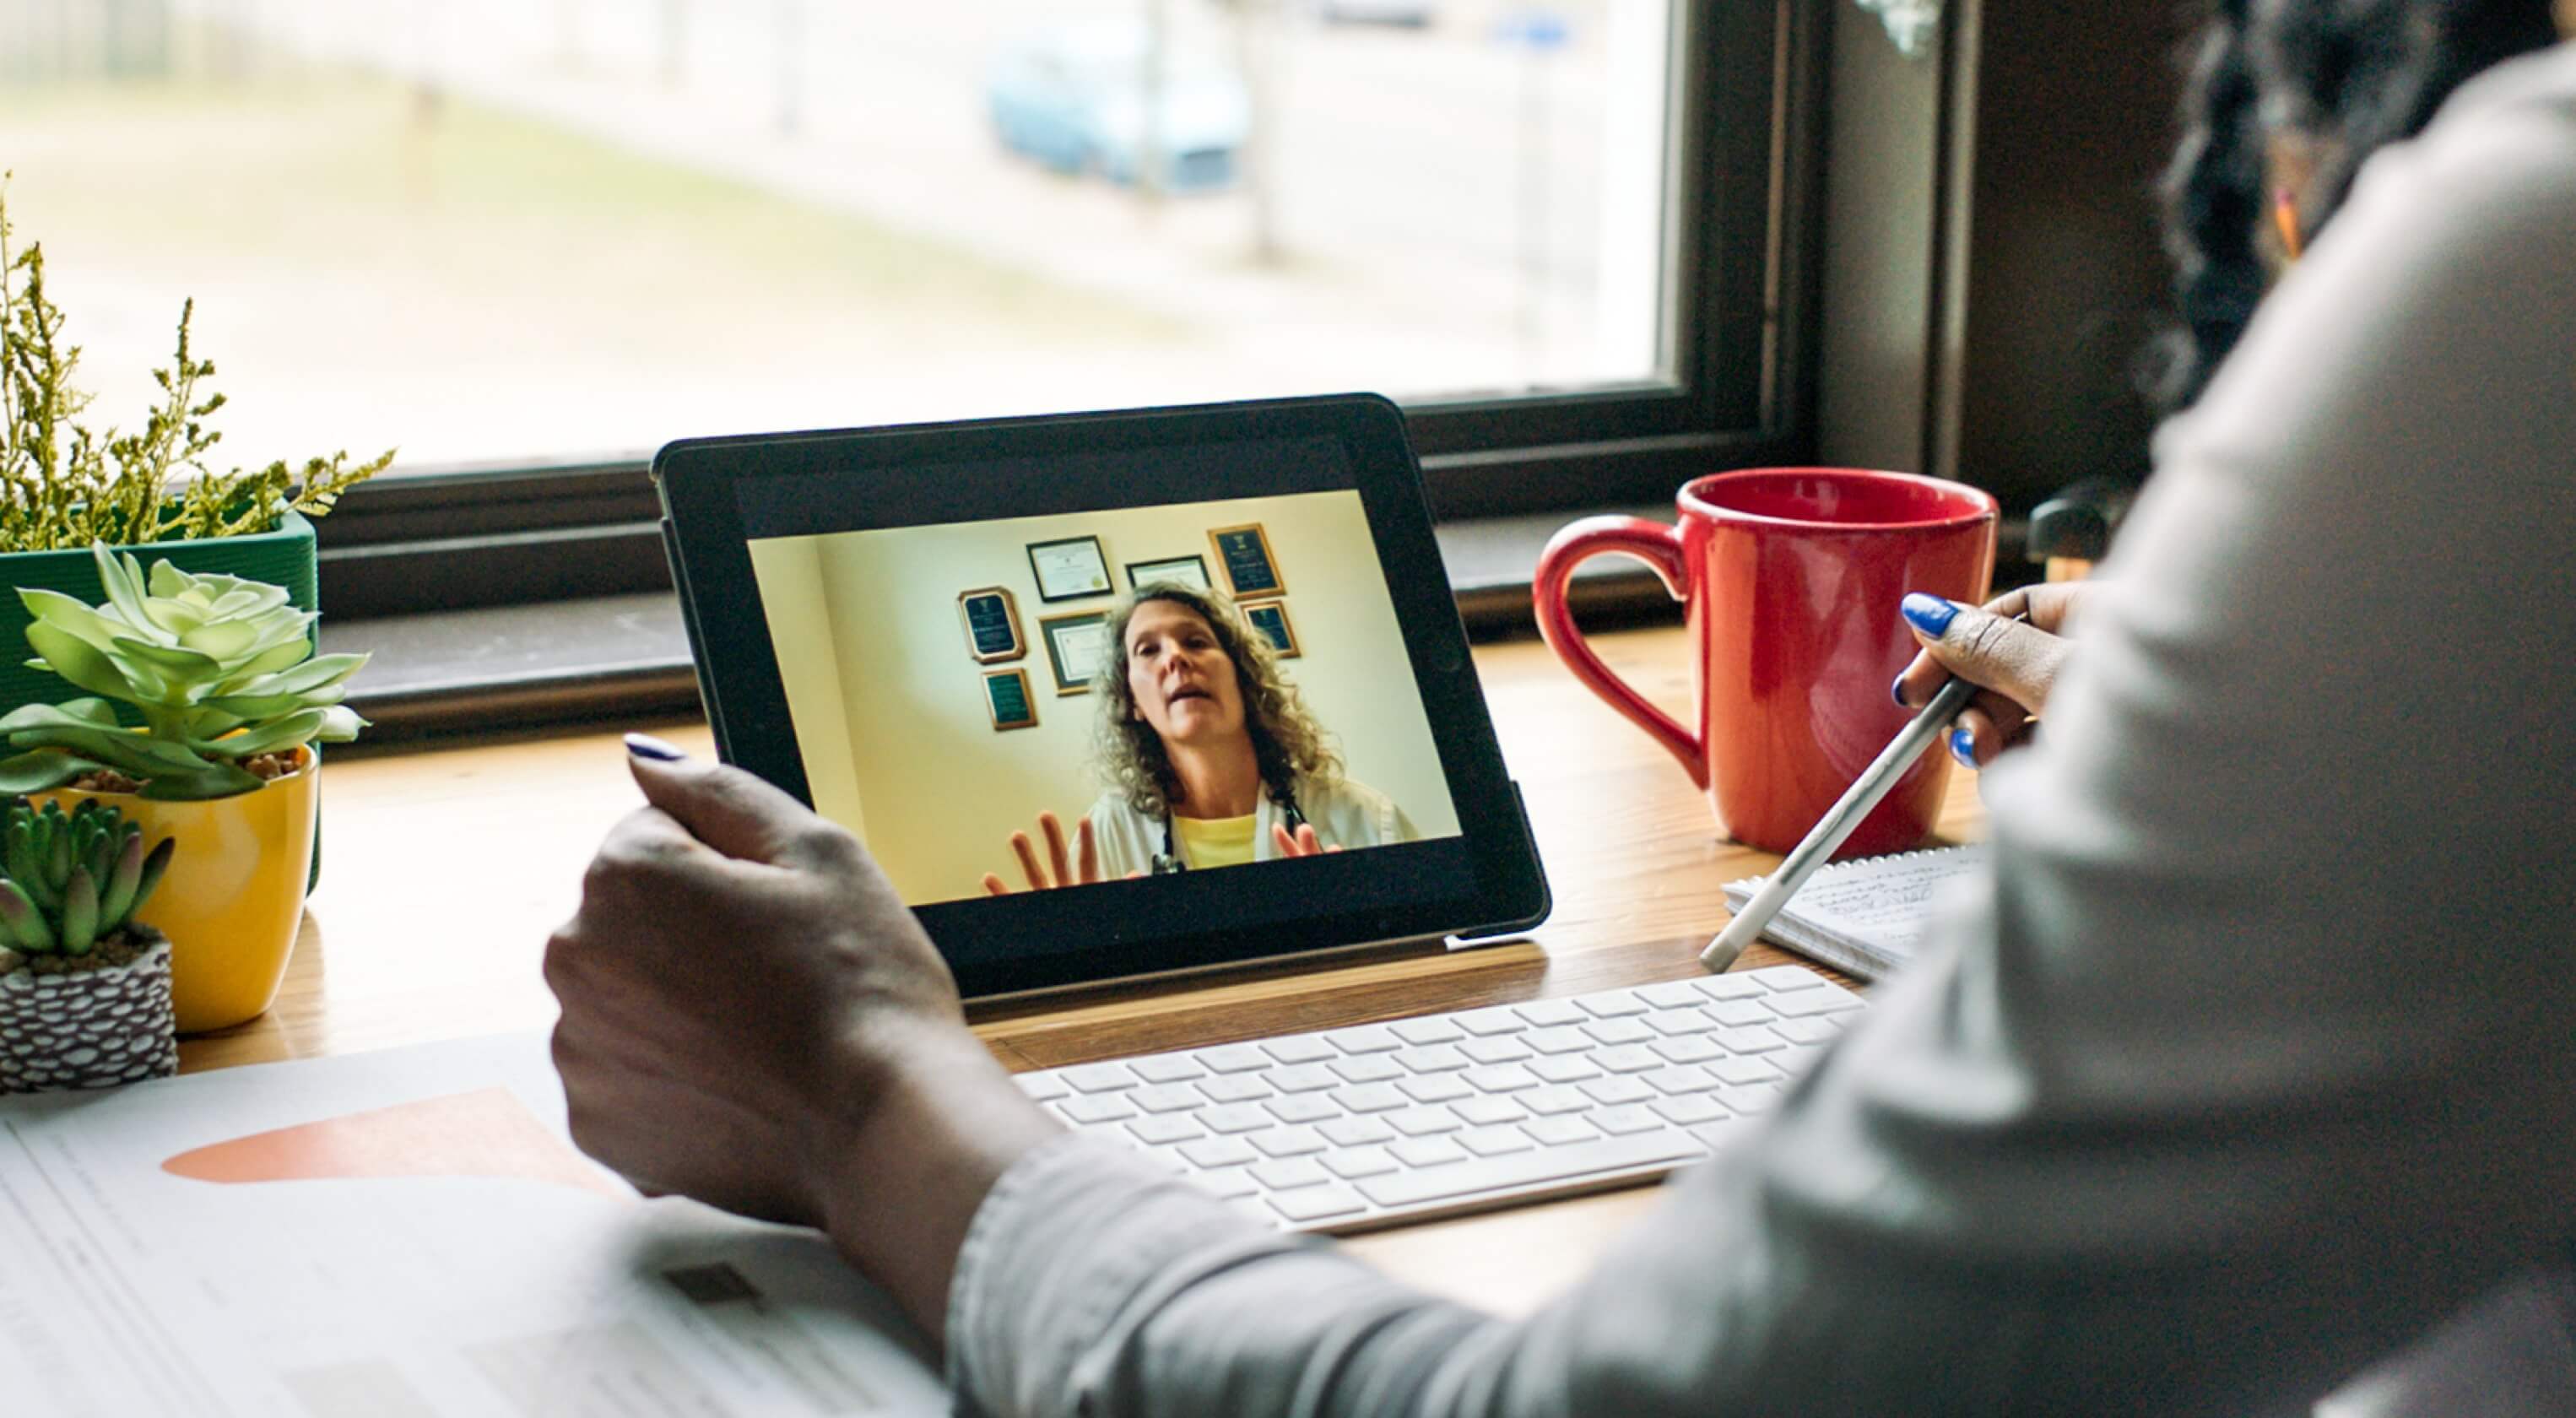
x=1199 y=630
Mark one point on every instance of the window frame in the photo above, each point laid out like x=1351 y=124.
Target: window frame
x=1741 y=241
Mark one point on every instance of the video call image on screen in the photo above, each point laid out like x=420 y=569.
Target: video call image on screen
x=950 y=683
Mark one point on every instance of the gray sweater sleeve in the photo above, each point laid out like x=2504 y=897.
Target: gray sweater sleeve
x=2252 y=1057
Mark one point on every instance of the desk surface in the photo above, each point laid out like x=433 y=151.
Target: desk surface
x=444 y=871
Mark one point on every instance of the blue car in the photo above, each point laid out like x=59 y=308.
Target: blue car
x=1074 y=98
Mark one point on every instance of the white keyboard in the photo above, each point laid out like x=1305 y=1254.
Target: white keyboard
x=1348 y=1129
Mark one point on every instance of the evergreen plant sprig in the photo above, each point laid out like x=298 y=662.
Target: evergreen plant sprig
x=63 y=485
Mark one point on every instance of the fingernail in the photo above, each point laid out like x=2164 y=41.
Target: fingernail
x=1929 y=614
x=1963 y=747
x=647 y=746
x=1896 y=692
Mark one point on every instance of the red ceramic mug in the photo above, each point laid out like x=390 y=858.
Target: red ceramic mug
x=1792 y=578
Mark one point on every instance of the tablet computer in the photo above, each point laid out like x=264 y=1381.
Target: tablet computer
x=1201 y=629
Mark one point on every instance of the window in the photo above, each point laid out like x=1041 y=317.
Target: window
x=529 y=240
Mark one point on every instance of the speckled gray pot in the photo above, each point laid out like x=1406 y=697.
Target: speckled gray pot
x=92 y=1029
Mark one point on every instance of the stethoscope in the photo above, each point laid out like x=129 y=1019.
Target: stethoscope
x=1169 y=860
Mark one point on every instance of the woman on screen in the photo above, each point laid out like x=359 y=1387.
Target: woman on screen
x=1209 y=756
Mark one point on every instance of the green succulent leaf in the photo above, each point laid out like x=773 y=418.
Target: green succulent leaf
x=84 y=664
x=218 y=780
x=135 y=755
x=168 y=580
x=297 y=728
x=178 y=664
x=80 y=912
x=155 y=863
x=55 y=608
x=340 y=723
x=222 y=639
x=24 y=923
x=122 y=578
x=116 y=899
x=320 y=672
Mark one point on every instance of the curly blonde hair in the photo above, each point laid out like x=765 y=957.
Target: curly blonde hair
x=1286 y=740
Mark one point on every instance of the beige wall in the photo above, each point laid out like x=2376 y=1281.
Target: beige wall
x=889 y=707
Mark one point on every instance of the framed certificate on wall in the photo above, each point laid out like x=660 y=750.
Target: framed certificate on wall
x=1189 y=571
x=1007 y=699
x=1076 y=644
x=1271 y=619
x=992 y=620
x=1069 y=569
x=1250 y=570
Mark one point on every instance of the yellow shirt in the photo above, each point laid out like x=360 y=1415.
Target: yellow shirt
x=1214 y=841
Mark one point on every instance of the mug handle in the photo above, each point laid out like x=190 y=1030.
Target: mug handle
x=1660 y=547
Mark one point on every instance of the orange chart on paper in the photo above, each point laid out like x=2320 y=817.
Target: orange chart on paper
x=486 y=1133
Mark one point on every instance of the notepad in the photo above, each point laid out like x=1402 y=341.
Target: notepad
x=1864 y=916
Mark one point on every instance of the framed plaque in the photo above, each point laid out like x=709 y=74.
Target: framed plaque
x=1069 y=569
x=1188 y=571
x=1007 y=699
x=992 y=620
x=1271 y=619
x=1076 y=644
x=1250 y=570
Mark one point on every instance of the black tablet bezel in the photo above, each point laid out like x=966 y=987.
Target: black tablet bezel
x=1487 y=880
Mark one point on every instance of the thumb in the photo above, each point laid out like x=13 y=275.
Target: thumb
x=724 y=807
x=2011 y=657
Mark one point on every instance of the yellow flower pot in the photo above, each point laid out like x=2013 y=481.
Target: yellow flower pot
x=233 y=898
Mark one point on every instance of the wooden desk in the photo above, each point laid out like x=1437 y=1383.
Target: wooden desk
x=444 y=871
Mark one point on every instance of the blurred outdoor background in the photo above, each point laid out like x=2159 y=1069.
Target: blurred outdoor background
x=517 y=231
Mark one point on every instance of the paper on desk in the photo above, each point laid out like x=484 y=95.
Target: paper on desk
x=401 y=1235
x=1867 y=915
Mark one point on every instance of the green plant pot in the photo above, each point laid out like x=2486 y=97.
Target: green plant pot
x=284 y=557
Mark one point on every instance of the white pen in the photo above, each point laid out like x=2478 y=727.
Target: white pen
x=1836 y=825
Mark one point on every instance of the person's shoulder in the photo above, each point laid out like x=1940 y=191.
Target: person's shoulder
x=2509 y=133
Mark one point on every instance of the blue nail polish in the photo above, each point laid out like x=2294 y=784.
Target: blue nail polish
x=647 y=746
x=1896 y=692
x=1929 y=614
x=1963 y=747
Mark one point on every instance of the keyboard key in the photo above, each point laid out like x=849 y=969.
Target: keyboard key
x=1550 y=1012
x=1435 y=1030
x=1292 y=1172
x=1365 y=1039
x=1781 y=978
x=1219 y=1152
x=1685 y=1078
x=1750 y=1099
x=1557 y=1132
x=1558 y=1041
x=1437 y=1058
x=1618 y=1031
x=1299 y=1049
x=1680 y=994
x=1228 y=1183
x=1099 y=1078
x=1753 y=1070
x=1724 y=987
x=1495 y=1141
x=1613 y=1004
x=1718 y=1134
x=1367 y=1068
x=1165 y=1130
x=1422 y=1122
x=1522 y=1169
x=1426 y=1151
x=1287 y=1141
x=1554 y=1100
x=1232 y=1088
x=1302 y=1108
x=1689 y=1109
x=1484 y=1023
x=1814 y=1030
x=1235 y=1117
x=1501 y=1078
x=1672 y=1022
x=1167 y=1068
x=1099 y=1108
x=1752 y=1039
x=1356 y=1132
x=1044 y=1087
x=1797 y=1058
x=1689 y=1050
x=1737 y=1013
x=1622 y=1120
x=1486 y=1112
x=1565 y=1070
x=1617 y=1090
x=1302 y=1078
x=1352 y=1163
x=1370 y=1098
x=1438 y=1088
x=1823 y=999
x=1316 y=1203
x=1233 y=1058
x=1628 y=1058
x=1503 y=1050
x=1166 y=1098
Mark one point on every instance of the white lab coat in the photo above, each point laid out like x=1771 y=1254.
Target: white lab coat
x=1343 y=814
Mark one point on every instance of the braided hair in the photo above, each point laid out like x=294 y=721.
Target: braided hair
x=2350 y=75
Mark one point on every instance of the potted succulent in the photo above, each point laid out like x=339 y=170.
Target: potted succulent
x=84 y=987
x=222 y=673
x=65 y=484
